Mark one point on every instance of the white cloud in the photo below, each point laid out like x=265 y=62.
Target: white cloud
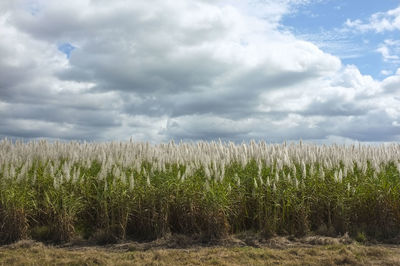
x=385 y=52
x=385 y=72
x=389 y=50
x=378 y=22
x=392 y=84
x=183 y=70
x=381 y=22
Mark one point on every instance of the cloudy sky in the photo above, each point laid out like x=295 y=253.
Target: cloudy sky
x=317 y=70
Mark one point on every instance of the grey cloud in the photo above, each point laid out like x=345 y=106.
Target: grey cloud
x=334 y=107
x=204 y=128
x=55 y=114
x=375 y=126
x=13 y=73
x=144 y=75
x=208 y=127
x=240 y=100
x=392 y=84
x=142 y=23
x=217 y=104
x=32 y=129
x=262 y=79
x=11 y=76
x=177 y=70
x=225 y=103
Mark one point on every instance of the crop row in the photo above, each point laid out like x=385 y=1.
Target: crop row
x=56 y=191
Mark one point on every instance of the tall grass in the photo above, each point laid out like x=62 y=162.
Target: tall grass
x=129 y=190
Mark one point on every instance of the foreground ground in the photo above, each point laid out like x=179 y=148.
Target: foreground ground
x=179 y=251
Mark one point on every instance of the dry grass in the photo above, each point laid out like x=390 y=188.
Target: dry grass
x=298 y=252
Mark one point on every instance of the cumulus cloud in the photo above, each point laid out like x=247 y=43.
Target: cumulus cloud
x=391 y=84
x=378 y=22
x=179 y=70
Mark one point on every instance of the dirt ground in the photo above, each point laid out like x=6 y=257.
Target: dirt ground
x=181 y=250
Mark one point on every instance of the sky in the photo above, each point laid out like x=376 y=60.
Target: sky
x=318 y=70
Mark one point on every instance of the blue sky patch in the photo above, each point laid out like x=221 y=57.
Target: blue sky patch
x=66 y=48
x=323 y=23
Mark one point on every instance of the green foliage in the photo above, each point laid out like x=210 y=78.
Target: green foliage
x=150 y=194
